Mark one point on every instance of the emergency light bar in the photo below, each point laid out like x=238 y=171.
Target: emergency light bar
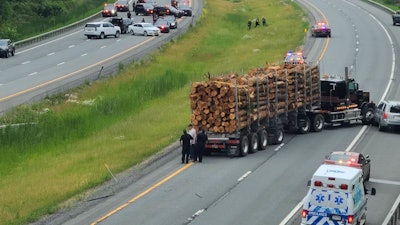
x=319 y=183
x=350 y=163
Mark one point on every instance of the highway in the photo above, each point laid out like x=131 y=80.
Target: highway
x=70 y=59
x=261 y=188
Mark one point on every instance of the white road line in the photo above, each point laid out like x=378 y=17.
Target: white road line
x=31 y=74
x=26 y=62
x=85 y=54
x=384 y=181
x=244 y=176
x=51 y=54
x=61 y=63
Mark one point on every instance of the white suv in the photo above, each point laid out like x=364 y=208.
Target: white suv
x=101 y=30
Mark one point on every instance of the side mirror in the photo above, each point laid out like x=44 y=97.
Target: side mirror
x=308 y=183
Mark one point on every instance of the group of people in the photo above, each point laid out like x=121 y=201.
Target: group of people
x=256 y=22
x=193 y=144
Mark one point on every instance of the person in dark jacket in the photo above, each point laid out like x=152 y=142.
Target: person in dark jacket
x=201 y=144
x=185 y=143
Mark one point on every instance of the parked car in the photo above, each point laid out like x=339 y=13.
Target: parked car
x=187 y=10
x=320 y=29
x=294 y=57
x=122 y=5
x=175 y=11
x=109 y=10
x=144 y=9
x=123 y=23
x=7 y=48
x=163 y=25
x=352 y=159
x=144 y=29
x=387 y=115
x=161 y=10
x=173 y=22
x=101 y=30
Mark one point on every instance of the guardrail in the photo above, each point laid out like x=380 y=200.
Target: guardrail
x=56 y=32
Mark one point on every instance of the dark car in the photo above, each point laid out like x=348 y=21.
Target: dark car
x=163 y=25
x=122 y=5
x=7 y=48
x=186 y=9
x=109 y=10
x=353 y=159
x=123 y=23
x=320 y=30
x=145 y=9
x=161 y=10
x=173 y=22
x=175 y=11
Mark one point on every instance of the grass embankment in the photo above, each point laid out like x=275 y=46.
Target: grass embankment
x=131 y=116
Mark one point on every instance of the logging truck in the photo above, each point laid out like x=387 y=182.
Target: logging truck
x=243 y=114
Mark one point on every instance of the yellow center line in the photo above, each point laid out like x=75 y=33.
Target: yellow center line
x=169 y=177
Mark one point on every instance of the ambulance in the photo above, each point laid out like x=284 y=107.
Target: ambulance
x=336 y=196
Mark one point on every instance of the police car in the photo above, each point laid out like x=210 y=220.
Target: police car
x=320 y=29
x=336 y=196
x=296 y=57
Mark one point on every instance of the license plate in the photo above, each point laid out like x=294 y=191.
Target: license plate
x=336 y=217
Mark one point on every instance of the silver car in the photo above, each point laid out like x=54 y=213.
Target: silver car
x=144 y=29
x=387 y=115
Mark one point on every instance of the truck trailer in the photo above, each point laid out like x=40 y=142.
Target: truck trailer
x=244 y=113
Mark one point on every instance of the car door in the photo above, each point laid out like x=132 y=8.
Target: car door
x=379 y=112
x=139 y=29
x=365 y=163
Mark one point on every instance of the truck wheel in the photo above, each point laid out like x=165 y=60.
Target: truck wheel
x=102 y=35
x=244 y=146
x=317 y=123
x=368 y=116
x=262 y=139
x=304 y=124
x=253 y=139
x=117 y=34
x=277 y=137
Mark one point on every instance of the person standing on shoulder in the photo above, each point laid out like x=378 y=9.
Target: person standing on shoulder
x=185 y=143
x=201 y=144
x=264 y=21
x=193 y=133
x=249 y=24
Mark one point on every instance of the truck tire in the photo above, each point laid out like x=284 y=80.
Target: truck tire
x=304 y=124
x=244 y=146
x=262 y=139
x=317 y=123
x=368 y=115
x=277 y=137
x=253 y=140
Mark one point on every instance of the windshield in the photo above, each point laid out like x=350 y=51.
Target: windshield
x=3 y=42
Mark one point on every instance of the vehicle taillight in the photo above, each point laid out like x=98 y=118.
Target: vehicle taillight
x=350 y=219
x=304 y=213
x=385 y=115
x=344 y=186
x=318 y=183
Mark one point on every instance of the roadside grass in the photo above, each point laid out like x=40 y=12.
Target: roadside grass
x=62 y=149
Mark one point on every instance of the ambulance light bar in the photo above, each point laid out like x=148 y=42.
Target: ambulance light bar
x=319 y=183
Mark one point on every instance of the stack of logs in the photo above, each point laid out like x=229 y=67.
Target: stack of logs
x=281 y=88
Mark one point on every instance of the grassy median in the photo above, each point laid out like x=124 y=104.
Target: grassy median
x=61 y=150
